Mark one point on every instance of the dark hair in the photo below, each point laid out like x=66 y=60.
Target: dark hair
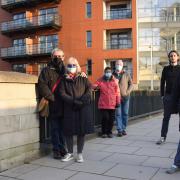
x=107 y=68
x=172 y=51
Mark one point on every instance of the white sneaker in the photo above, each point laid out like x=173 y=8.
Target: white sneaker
x=67 y=157
x=79 y=158
x=161 y=141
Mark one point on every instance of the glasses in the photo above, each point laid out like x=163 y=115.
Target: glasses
x=71 y=65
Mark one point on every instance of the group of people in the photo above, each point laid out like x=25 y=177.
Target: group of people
x=69 y=91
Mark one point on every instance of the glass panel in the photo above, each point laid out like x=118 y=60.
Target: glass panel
x=89 y=38
x=88 y=10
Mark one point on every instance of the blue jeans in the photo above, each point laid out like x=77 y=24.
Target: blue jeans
x=57 y=137
x=177 y=157
x=121 y=114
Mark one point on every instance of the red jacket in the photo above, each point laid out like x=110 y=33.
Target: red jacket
x=109 y=93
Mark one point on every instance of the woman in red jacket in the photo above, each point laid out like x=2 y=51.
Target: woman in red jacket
x=108 y=100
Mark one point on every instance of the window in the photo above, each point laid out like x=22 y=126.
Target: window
x=88 y=38
x=47 y=15
x=19 y=68
x=89 y=67
x=19 y=19
x=48 y=43
x=88 y=10
x=19 y=47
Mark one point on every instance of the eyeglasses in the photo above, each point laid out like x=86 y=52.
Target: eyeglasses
x=71 y=65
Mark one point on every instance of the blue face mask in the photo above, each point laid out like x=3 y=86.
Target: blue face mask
x=108 y=75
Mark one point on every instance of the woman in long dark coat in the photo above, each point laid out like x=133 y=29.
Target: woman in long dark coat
x=75 y=91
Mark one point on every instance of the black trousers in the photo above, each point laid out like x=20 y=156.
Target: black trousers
x=80 y=144
x=108 y=116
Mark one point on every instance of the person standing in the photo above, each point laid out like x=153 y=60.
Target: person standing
x=108 y=100
x=168 y=78
x=75 y=92
x=48 y=82
x=126 y=86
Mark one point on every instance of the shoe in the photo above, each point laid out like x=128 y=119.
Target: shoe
x=63 y=152
x=173 y=169
x=119 y=134
x=161 y=141
x=57 y=155
x=124 y=133
x=67 y=157
x=104 y=136
x=79 y=158
x=110 y=135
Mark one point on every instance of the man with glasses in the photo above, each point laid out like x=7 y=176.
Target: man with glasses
x=48 y=81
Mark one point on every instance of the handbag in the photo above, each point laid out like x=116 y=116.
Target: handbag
x=43 y=107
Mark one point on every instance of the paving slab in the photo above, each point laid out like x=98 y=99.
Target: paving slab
x=132 y=172
x=157 y=162
x=126 y=159
x=97 y=167
x=47 y=173
x=50 y=162
x=121 y=149
x=162 y=175
x=87 y=176
x=154 y=152
x=91 y=146
x=5 y=178
x=15 y=172
x=117 y=141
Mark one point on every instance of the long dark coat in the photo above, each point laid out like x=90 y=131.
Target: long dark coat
x=76 y=122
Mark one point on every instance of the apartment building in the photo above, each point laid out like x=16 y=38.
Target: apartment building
x=96 y=32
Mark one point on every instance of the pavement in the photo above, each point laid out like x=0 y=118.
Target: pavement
x=135 y=156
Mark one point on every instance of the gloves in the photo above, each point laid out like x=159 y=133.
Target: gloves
x=77 y=105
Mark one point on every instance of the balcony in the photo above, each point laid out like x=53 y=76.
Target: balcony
x=124 y=43
x=28 y=50
x=118 y=14
x=50 y=21
x=9 y=5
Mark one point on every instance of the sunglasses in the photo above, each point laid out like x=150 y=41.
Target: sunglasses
x=71 y=65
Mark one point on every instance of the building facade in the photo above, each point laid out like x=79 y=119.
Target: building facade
x=158 y=33
x=96 y=32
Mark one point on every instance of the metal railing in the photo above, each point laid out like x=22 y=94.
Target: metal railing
x=118 y=14
x=28 y=50
x=11 y=4
x=123 y=43
x=52 y=20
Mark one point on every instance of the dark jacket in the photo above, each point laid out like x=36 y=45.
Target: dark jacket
x=176 y=97
x=76 y=121
x=47 y=79
x=169 y=76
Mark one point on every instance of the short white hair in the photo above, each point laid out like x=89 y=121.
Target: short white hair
x=74 y=61
x=55 y=50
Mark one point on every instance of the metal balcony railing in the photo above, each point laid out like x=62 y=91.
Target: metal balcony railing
x=19 y=25
x=124 y=43
x=28 y=50
x=118 y=14
x=13 y=4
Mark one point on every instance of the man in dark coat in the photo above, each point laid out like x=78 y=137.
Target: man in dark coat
x=169 y=76
x=47 y=81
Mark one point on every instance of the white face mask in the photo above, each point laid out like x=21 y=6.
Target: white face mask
x=71 y=70
x=119 y=68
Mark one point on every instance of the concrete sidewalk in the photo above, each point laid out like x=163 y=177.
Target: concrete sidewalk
x=135 y=156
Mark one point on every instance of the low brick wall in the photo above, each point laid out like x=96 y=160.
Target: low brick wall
x=19 y=123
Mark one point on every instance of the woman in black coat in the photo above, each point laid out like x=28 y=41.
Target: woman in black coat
x=75 y=91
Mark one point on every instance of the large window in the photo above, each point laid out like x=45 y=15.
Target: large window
x=47 y=15
x=88 y=10
x=88 y=38
x=48 y=43
x=19 y=47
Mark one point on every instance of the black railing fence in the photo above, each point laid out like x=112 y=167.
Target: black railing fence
x=121 y=43
x=122 y=13
x=141 y=103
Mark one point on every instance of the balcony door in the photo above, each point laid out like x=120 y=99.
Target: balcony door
x=118 y=11
x=19 y=20
x=47 y=43
x=19 y=47
x=47 y=16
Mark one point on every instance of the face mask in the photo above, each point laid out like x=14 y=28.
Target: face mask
x=57 y=60
x=108 y=75
x=119 y=68
x=71 y=70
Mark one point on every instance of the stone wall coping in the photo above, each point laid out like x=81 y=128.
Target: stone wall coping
x=15 y=77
